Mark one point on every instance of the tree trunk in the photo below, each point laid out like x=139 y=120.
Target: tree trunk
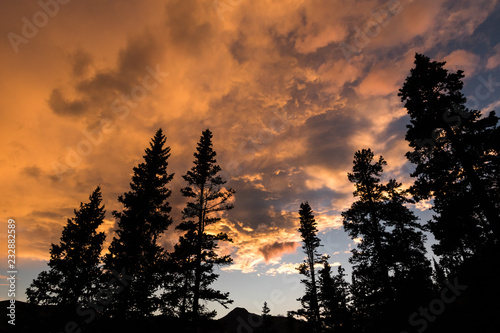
x=197 y=278
x=315 y=295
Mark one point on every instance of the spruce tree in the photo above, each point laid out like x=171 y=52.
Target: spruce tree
x=333 y=298
x=265 y=310
x=459 y=227
x=146 y=215
x=74 y=263
x=208 y=200
x=455 y=151
x=310 y=244
x=390 y=270
x=266 y=320
x=177 y=300
x=410 y=269
x=364 y=220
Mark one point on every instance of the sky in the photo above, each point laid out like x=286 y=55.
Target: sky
x=290 y=89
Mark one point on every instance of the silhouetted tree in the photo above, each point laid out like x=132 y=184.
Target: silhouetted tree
x=197 y=249
x=438 y=274
x=179 y=268
x=310 y=244
x=146 y=215
x=455 y=151
x=363 y=220
x=265 y=311
x=459 y=227
x=74 y=264
x=333 y=298
x=411 y=271
x=390 y=269
x=266 y=319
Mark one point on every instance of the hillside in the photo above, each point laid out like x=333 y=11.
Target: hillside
x=33 y=318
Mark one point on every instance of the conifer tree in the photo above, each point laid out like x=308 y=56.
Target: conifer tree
x=266 y=319
x=208 y=200
x=459 y=227
x=333 y=298
x=363 y=220
x=265 y=310
x=410 y=269
x=455 y=151
x=390 y=270
x=438 y=275
x=146 y=215
x=310 y=244
x=74 y=263
x=178 y=281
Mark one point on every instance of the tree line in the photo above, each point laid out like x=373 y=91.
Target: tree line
x=455 y=154
x=151 y=278
x=456 y=165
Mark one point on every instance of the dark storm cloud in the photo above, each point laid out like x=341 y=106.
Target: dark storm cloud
x=276 y=249
x=32 y=171
x=270 y=79
x=252 y=206
x=239 y=50
x=95 y=95
x=81 y=62
x=328 y=138
x=189 y=25
x=64 y=107
x=395 y=132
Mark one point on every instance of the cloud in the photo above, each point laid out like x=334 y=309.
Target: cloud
x=81 y=62
x=274 y=250
x=32 y=171
x=424 y=205
x=94 y=96
x=287 y=109
x=285 y=268
x=463 y=60
x=190 y=25
x=62 y=106
x=311 y=34
x=291 y=268
x=494 y=60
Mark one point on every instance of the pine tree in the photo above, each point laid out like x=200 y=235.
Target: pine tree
x=266 y=319
x=209 y=199
x=333 y=298
x=310 y=244
x=146 y=215
x=363 y=220
x=265 y=311
x=439 y=276
x=74 y=263
x=460 y=230
x=177 y=300
x=455 y=151
x=390 y=270
x=410 y=269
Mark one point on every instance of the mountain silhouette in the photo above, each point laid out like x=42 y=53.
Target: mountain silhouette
x=43 y=318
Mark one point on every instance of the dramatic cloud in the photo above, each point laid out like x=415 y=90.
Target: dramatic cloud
x=276 y=249
x=494 y=60
x=291 y=90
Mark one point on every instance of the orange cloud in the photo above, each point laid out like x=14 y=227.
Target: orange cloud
x=287 y=109
x=464 y=60
x=276 y=250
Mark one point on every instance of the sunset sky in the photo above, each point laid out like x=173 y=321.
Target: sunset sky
x=290 y=89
